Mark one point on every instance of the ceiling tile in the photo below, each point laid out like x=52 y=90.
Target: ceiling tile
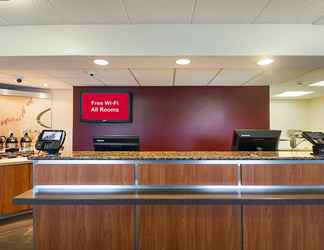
x=91 y=12
x=234 y=76
x=12 y=74
x=116 y=77
x=292 y=86
x=277 y=76
x=36 y=81
x=89 y=84
x=154 y=77
x=28 y=12
x=194 y=76
x=320 y=20
x=68 y=74
x=47 y=83
x=310 y=77
x=72 y=77
x=4 y=78
x=229 y=11
x=292 y=12
x=34 y=12
x=159 y=11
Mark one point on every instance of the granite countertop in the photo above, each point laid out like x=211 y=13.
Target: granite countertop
x=181 y=155
x=13 y=161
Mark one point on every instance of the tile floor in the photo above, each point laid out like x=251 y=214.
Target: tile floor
x=17 y=234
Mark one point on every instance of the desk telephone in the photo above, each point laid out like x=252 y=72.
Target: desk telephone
x=50 y=141
x=317 y=139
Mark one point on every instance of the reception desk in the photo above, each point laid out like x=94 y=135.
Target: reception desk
x=178 y=200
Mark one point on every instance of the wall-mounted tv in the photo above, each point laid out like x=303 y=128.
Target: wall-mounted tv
x=106 y=107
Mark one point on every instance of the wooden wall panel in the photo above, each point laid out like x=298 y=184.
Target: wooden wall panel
x=292 y=174
x=84 y=174
x=180 y=118
x=189 y=227
x=283 y=227
x=175 y=174
x=84 y=227
x=14 y=180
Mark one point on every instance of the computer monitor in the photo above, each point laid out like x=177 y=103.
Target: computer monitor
x=116 y=143
x=255 y=140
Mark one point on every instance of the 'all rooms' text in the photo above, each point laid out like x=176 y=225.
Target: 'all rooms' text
x=104 y=110
x=103 y=106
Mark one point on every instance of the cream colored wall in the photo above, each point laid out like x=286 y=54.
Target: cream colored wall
x=62 y=114
x=19 y=114
x=297 y=114
x=316 y=114
x=289 y=114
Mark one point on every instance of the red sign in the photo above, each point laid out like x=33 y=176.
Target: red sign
x=106 y=107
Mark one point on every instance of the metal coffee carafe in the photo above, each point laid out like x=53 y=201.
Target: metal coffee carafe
x=2 y=144
x=26 y=147
x=12 y=146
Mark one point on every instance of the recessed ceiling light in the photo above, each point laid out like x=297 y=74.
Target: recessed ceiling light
x=101 y=62
x=318 y=84
x=45 y=85
x=294 y=93
x=265 y=61
x=183 y=61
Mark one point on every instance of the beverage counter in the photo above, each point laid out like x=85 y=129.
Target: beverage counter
x=15 y=178
x=178 y=200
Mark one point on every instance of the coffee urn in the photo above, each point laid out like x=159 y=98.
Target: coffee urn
x=26 y=147
x=12 y=147
x=2 y=145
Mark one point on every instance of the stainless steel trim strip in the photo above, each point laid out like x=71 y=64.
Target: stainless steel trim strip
x=201 y=162
x=239 y=183
x=136 y=173
x=84 y=189
x=222 y=189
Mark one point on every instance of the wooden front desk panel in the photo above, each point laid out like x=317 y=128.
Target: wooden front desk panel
x=178 y=174
x=83 y=227
x=190 y=227
x=14 y=180
x=293 y=227
x=288 y=174
x=283 y=227
x=194 y=227
x=84 y=174
x=173 y=227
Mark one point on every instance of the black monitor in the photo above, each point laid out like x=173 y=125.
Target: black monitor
x=116 y=143
x=255 y=140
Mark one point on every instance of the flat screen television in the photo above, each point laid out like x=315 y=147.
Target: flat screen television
x=255 y=140
x=106 y=107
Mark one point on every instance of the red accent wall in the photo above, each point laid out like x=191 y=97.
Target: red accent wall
x=181 y=118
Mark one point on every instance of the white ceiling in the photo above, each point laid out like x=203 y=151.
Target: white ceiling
x=43 y=12
x=287 y=73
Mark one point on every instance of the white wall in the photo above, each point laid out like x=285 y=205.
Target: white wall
x=289 y=114
x=297 y=114
x=316 y=114
x=18 y=115
x=62 y=114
